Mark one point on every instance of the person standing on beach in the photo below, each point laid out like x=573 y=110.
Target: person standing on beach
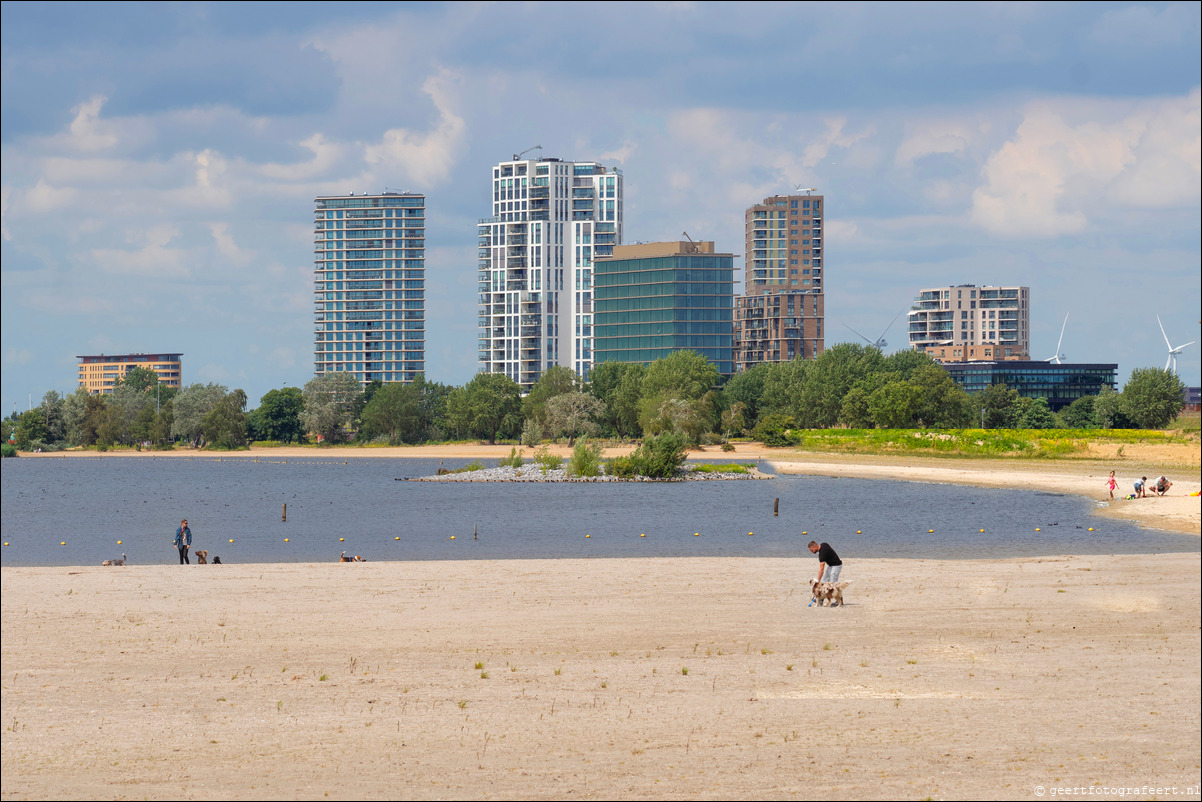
x=1111 y=485
x=183 y=541
x=829 y=564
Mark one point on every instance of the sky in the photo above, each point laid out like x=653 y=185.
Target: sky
x=160 y=160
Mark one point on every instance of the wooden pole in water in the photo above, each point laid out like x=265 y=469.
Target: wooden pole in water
x=476 y=532
x=284 y=514
x=776 y=508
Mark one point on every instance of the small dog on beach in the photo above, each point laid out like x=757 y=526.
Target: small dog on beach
x=216 y=560
x=115 y=562
x=202 y=558
x=829 y=592
x=355 y=559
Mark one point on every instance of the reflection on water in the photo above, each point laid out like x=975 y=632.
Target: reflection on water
x=361 y=506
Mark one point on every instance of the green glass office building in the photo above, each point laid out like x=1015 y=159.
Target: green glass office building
x=656 y=298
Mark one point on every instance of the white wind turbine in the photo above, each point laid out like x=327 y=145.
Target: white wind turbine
x=1172 y=360
x=1059 y=356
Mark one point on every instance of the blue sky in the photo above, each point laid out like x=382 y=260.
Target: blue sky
x=160 y=160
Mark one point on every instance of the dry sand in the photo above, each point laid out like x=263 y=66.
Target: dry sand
x=567 y=679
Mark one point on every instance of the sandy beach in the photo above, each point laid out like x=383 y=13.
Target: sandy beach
x=643 y=678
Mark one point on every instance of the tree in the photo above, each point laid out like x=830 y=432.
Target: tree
x=93 y=419
x=139 y=378
x=573 y=414
x=331 y=405
x=192 y=404
x=225 y=425
x=746 y=388
x=1038 y=415
x=828 y=379
x=1152 y=397
x=997 y=405
x=396 y=411
x=73 y=407
x=490 y=405
x=894 y=405
x=52 y=411
x=31 y=430
x=1107 y=410
x=1079 y=414
x=278 y=415
x=854 y=411
x=941 y=403
x=733 y=419
x=684 y=374
x=555 y=381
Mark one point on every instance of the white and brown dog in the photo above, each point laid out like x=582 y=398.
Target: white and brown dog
x=355 y=559
x=829 y=592
x=115 y=562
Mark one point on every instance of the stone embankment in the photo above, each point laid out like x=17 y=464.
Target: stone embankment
x=533 y=473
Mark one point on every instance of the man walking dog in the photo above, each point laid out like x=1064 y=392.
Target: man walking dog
x=829 y=564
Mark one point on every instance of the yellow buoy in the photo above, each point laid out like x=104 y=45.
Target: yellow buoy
x=6 y=542
x=749 y=534
x=982 y=530
x=858 y=532
x=1090 y=529
x=452 y=537
x=285 y=540
x=643 y=535
x=696 y=534
x=118 y=542
x=341 y=539
x=588 y=535
x=396 y=538
x=804 y=532
x=231 y=540
x=1037 y=529
x=63 y=543
x=930 y=530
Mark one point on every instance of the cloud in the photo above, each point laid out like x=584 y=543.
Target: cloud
x=154 y=259
x=325 y=155
x=88 y=132
x=44 y=198
x=833 y=137
x=423 y=158
x=620 y=155
x=1069 y=158
x=226 y=245
x=1144 y=27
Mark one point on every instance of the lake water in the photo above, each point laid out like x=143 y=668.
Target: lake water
x=360 y=507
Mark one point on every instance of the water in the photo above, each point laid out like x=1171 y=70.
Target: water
x=358 y=506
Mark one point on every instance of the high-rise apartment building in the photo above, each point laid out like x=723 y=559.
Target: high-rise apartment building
x=550 y=219
x=659 y=297
x=369 y=285
x=997 y=318
x=99 y=373
x=779 y=316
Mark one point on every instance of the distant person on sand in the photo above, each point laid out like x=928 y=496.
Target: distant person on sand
x=1163 y=485
x=1141 y=487
x=1111 y=485
x=829 y=564
x=183 y=541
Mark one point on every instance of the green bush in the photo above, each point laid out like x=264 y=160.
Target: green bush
x=586 y=460
x=771 y=430
x=514 y=460
x=547 y=461
x=8 y=450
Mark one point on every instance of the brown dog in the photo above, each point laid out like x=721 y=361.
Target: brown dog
x=355 y=559
x=829 y=592
x=202 y=558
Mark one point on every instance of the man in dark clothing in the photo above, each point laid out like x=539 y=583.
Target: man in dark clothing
x=829 y=564
x=183 y=540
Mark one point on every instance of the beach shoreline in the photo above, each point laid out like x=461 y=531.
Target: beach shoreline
x=622 y=678
x=1178 y=511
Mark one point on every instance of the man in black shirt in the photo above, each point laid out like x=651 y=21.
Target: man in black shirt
x=829 y=564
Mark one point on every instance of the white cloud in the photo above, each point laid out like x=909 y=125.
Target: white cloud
x=1066 y=156
x=43 y=197
x=833 y=137
x=67 y=305
x=226 y=245
x=325 y=155
x=423 y=158
x=209 y=168
x=88 y=131
x=620 y=155
x=153 y=259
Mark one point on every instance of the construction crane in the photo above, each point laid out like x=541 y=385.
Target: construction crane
x=518 y=156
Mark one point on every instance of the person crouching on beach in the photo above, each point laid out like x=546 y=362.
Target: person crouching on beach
x=183 y=541
x=829 y=564
x=1141 y=487
x=1162 y=485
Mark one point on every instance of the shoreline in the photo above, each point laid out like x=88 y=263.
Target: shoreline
x=621 y=679
x=1177 y=512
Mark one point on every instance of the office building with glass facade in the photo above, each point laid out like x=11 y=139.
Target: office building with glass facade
x=550 y=220
x=967 y=315
x=779 y=316
x=369 y=286
x=656 y=298
x=1060 y=384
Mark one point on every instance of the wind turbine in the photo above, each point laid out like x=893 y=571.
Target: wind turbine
x=880 y=343
x=1058 y=356
x=1172 y=351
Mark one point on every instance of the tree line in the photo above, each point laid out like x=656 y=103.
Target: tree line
x=849 y=385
